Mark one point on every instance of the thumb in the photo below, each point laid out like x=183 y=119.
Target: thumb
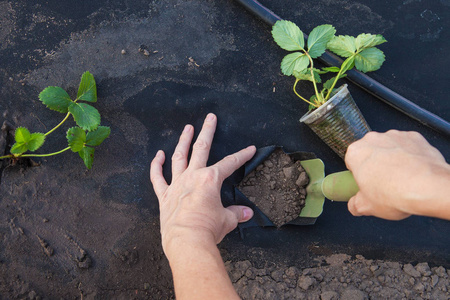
x=355 y=205
x=242 y=213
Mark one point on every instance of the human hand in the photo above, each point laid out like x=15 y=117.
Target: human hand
x=398 y=174
x=190 y=207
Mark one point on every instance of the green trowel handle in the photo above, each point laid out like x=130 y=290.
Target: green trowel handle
x=339 y=186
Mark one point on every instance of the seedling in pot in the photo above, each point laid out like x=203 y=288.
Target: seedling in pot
x=359 y=52
x=82 y=138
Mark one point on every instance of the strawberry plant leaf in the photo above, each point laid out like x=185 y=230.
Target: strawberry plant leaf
x=288 y=36
x=26 y=141
x=18 y=148
x=319 y=71
x=87 y=91
x=36 y=141
x=306 y=75
x=96 y=137
x=369 y=60
x=296 y=61
x=330 y=69
x=319 y=38
x=76 y=137
x=87 y=155
x=348 y=64
x=367 y=40
x=22 y=135
x=342 y=45
x=85 y=115
x=312 y=99
x=56 y=99
x=329 y=83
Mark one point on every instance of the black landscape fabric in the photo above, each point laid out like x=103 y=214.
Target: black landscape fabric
x=203 y=56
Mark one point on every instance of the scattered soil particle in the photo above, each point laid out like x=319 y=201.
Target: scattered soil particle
x=192 y=63
x=277 y=187
x=45 y=247
x=130 y=257
x=340 y=276
x=79 y=255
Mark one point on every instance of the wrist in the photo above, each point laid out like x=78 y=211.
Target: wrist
x=197 y=266
x=433 y=200
x=180 y=238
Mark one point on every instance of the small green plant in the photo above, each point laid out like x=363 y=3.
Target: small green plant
x=82 y=138
x=360 y=52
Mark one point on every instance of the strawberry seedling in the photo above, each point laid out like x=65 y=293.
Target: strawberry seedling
x=82 y=138
x=359 y=52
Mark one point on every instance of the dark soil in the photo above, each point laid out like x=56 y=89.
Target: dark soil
x=340 y=276
x=277 y=187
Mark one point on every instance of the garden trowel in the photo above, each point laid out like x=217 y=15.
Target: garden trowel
x=339 y=186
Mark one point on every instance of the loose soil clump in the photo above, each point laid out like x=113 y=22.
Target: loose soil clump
x=277 y=187
x=339 y=276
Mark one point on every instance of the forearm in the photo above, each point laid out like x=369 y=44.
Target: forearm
x=198 y=270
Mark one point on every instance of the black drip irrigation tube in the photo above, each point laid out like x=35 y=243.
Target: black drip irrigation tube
x=363 y=81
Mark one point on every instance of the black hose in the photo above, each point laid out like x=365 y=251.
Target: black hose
x=362 y=80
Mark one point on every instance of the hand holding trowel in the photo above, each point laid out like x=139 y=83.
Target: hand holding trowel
x=339 y=186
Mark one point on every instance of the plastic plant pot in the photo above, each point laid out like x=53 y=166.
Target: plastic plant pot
x=338 y=122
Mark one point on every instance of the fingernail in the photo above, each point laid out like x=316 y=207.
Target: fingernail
x=247 y=213
x=210 y=117
x=159 y=153
x=251 y=147
x=187 y=128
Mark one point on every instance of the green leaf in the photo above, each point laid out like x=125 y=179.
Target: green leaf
x=86 y=116
x=369 y=60
x=27 y=141
x=36 y=141
x=22 y=135
x=296 y=61
x=319 y=38
x=87 y=155
x=56 y=98
x=366 y=40
x=327 y=85
x=342 y=45
x=312 y=99
x=348 y=64
x=87 y=91
x=18 y=148
x=306 y=75
x=330 y=69
x=76 y=138
x=288 y=36
x=318 y=71
x=96 y=137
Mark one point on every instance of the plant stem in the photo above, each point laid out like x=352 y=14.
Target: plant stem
x=318 y=95
x=332 y=86
x=295 y=85
x=342 y=71
x=45 y=155
x=6 y=156
x=68 y=114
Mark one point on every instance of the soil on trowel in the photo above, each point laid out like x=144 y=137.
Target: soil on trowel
x=277 y=187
